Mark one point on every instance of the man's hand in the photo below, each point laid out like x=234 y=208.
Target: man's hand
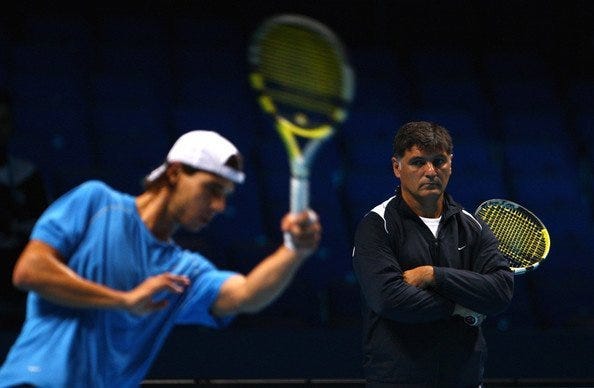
x=140 y=300
x=302 y=232
x=422 y=277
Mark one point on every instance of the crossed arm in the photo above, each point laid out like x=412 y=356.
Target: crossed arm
x=487 y=293
x=426 y=293
x=424 y=277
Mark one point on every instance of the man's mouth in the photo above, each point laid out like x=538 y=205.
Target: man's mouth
x=431 y=185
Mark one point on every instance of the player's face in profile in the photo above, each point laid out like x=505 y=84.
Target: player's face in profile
x=199 y=197
x=423 y=173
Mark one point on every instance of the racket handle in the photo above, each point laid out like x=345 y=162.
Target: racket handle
x=521 y=271
x=299 y=200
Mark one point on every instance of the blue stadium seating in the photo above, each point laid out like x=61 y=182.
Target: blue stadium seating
x=107 y=96
x=443 y=63
x=52 y=108
x=148 y=62
x=65 y=30
x=56 y=91
x=535 y=125
x=581 y=95
x=516 y=65
x=209 y=32
x=39 y=59
x=525 y=95
x=455 y=94
x=584 y=127
x=525 y=158
x=131 y=141
x=476 y=174
x=465 y=126
x=126 y=90
x=129 y=30
x=380 y=81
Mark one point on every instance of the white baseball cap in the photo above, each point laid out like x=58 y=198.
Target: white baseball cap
x=203 y=150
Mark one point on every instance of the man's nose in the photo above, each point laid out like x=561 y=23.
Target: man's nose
x=219 y=204
x=430 y=169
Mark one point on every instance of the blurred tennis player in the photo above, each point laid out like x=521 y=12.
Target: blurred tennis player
x=107 y=283
x=429 y=273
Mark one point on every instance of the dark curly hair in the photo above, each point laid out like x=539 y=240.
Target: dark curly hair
x=423 y=134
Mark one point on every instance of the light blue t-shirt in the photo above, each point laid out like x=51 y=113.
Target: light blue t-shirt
x=101 y=234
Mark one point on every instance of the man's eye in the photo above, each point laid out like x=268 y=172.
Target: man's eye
x=215 y=190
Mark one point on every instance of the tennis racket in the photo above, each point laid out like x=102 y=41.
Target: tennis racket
x=523 y=238
x=304 y=82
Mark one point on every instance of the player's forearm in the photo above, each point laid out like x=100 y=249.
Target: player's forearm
x=79 y=294
x=38 y=271
x=269 y=279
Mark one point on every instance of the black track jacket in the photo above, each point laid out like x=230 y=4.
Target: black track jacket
x=410 y=335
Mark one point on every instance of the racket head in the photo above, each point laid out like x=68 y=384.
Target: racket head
x=523 y=238
x=301 y=74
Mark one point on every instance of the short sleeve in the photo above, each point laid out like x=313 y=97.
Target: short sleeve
x=206 y=282
x=63 y=223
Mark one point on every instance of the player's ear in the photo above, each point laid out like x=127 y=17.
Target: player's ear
x=174 y=170
x=396 y=166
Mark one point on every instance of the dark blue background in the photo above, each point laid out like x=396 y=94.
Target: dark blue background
x=102 y=91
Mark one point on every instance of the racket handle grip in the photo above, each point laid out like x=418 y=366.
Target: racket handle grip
x=299 y=195
x=523 y=270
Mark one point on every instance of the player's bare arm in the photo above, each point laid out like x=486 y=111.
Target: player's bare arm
x=264 y=283
x=41 y=269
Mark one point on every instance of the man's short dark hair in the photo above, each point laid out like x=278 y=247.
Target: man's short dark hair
x=423 y=134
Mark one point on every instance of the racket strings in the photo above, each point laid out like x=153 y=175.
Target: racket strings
x=286 y=88
x=520 y=238
x=318 y=78
x=315 y=56
x=302 y=71
x=323 y=82
x=301 y=59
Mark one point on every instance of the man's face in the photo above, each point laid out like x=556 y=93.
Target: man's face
x=423 y=174
x=197 y=198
